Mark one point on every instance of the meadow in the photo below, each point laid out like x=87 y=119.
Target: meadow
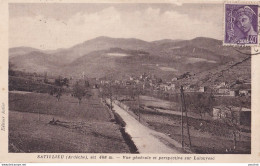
x=38 y=123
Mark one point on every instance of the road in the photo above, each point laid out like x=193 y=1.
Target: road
x=145 y=139
x=19 y=92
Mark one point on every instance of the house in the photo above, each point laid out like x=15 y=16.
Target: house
x=95 y=86
x=190 y=88
x=233 y=92
x=172 y=86
x=223 y=91
x=202 y=89
x=167 y=87
x=175 y=79
x=221 y=85
x=143 y=76
x=137 y=81
x=243 y=89
x=187 y=87
x=238 y=115
x=245 y=92
x=163 y=87
x=128 y=83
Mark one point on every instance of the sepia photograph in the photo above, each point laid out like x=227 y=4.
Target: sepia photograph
x=130 y=78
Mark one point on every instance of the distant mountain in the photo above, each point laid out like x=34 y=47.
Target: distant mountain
x=125 y=56
x=16 y=51
x=100 y=43
x=114 y=62
x=35 y=61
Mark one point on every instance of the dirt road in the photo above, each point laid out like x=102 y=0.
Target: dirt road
x=145 y=139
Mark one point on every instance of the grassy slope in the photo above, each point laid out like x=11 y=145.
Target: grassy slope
x=84 y=128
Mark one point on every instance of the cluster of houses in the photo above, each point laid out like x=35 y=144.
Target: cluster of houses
x=223 y=89
x=150 y=81
x=240 y=115
x=235 y=89
x=146 y=81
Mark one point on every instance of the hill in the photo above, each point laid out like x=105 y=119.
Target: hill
x=99 y=43
x=16 y=51
x=118 y=57
x=239 y=70
x=35 y=61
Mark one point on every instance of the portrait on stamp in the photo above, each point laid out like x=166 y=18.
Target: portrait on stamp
x=241 y=24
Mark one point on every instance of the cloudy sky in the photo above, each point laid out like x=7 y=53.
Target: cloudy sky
x=52 y=26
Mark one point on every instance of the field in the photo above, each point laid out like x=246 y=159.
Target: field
x=40 y=123
x=206 y=139
x=207 y=136
x=27 y=84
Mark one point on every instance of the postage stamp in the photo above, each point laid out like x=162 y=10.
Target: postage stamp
x=241 y=25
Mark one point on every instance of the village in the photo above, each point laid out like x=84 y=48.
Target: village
x=151 y=83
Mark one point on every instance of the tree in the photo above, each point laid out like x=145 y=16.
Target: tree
x=200 y=103
x=232 y=121
x=61 y=81
x=57 y=92
x=80 y=91
x=107 y=91
x=58 y=89
x=45 y=77
x=137 y=91
x=11 y=71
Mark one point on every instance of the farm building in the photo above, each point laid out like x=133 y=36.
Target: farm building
x=241 y=116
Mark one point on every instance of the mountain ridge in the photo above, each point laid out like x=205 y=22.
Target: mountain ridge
x=124 y=55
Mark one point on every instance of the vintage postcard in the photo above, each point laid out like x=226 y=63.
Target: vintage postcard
x=127 y=81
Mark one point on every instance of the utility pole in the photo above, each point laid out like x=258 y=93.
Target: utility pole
x=111 y=100
x=139 y=92
x=38 y=114
x=136 y=91
x=186 y=114
x=110 y=96
x=139 y=106
x=182 y=142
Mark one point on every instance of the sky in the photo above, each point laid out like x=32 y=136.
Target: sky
x=62 y=25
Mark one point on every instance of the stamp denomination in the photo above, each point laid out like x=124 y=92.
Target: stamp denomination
x=241 y=24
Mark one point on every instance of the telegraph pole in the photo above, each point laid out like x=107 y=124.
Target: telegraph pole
x=139 y=107
x=186 y=114
x=182 y=142
x=136 y=91
x=110 y=96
